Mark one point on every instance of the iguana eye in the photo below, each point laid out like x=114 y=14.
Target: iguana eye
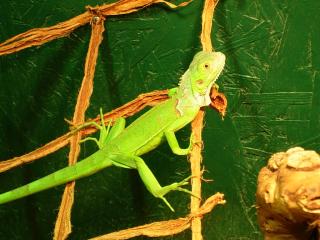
x=206 y=66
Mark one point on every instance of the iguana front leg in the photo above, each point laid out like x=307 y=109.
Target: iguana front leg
x=174 y=145
x=103 y=130
x=105 y=134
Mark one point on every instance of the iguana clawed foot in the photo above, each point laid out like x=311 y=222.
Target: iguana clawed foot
x=177 y=186
x=104 y=131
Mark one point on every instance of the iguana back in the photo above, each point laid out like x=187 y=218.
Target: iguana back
x=148 y=130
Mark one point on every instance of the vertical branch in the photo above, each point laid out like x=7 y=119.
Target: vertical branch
x=197 y=125
x=63 y=223
x=195 y=161
x=207 y=16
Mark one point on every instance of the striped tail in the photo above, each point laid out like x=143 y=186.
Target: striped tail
x=86 y=167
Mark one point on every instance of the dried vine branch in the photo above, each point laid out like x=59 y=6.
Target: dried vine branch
x=39 y=36
x=197 y=125
x=63 y=223
x=164 y=228
x=207 y=16
x=127 y=110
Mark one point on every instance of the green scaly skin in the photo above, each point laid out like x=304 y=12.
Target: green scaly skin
x=122 y=147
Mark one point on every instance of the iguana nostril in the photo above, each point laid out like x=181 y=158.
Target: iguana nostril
x=200 y=81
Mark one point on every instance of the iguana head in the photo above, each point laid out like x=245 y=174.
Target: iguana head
x=204 y=70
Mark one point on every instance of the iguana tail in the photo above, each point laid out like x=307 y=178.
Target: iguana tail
x=86 y=167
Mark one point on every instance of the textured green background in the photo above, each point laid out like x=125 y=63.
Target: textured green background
x=271 y=79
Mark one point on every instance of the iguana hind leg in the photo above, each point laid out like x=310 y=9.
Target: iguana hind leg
x=153 y=185
x=148 y=177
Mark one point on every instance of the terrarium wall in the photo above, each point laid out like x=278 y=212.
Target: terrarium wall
x=271 y=80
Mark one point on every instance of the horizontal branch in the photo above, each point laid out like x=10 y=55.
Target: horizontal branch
x=165 y=228
x=39 y=36
x=129 y=109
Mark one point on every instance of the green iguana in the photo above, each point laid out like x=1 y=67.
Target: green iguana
x=122 y=146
